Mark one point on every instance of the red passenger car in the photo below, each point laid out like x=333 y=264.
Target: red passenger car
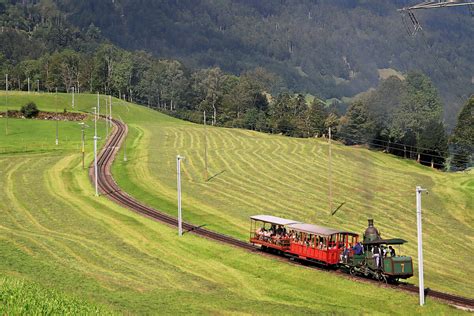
x=318 y=243
x=305 y=241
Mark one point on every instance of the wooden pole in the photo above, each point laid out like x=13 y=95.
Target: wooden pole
x=206 y=174
x=330 y=171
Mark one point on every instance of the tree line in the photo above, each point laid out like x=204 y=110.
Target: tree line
x=402 y=117
x=331 y=48
x=405 y=117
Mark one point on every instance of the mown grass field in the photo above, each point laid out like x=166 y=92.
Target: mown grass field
x=55 y=233
x=254 y=173
x=23 y=298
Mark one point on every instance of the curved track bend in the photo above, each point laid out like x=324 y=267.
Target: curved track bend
x=109 y=188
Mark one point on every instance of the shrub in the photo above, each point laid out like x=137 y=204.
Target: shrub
x=29 y=110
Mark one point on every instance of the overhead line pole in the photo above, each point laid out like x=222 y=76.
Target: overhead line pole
x=110 y=111
x=6 y=103
x=95 y=153
x=106 y=119
x=421 y=280
x=57 y=121
x=330 y=170
x=83 y=143
x=124 y=143
x=206 y=173
x=98 y=105
x=180 y=217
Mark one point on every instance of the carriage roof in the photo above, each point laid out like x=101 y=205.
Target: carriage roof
x=273 y=220
x=318 y=230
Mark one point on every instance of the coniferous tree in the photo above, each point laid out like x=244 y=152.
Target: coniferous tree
x=463 y=138
x=358 y=126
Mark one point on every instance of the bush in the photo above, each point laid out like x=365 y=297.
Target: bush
x=29 y=110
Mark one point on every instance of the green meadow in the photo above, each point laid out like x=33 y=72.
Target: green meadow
x=18 y=297
x=254 y=173
x=84 y=250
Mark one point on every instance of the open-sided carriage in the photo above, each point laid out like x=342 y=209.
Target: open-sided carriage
x=270 y=232
x=304 y=241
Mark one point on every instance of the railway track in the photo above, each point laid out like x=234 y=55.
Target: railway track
x=109 y=188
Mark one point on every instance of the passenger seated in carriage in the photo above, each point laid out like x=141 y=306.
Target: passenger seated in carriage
x=358 y=249
x=346 y=253
x=261 y=232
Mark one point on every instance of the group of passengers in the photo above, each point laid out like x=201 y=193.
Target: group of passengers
x=377 y=252
x=309 y=241
x=357 y=249
x=381 y=252
x=274 y=234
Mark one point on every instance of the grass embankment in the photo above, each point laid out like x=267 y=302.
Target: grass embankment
x=252 y=173
x=55 y=233
x=23 y=298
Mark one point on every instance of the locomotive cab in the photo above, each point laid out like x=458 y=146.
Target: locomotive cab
x=381 y=258
x=392 y=266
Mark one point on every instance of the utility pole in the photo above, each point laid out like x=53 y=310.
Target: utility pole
x=95 y=166
x=421 y=280
x=83 y=139
x=6 y=103
x=95 y=120
x=206 y=174
x=124 y=144
x=106 y=119
x=28 y=85
x=110 y=111
x=73 y=90
x=98 y=105
x=57 y=121
x=330 y=171
x=95 y=154
x=38 y=85
x=180 y=217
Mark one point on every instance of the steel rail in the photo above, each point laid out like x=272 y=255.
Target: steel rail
x=110 y=189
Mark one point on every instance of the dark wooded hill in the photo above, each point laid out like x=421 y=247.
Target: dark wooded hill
x=329 y=48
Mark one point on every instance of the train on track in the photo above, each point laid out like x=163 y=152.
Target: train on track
x=372 y=257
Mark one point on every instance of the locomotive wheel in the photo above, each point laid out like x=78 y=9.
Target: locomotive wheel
x=352 y=271
x=381 y=278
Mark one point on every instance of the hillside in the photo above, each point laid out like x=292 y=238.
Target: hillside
x=18 y=297
x=327 y=48
x=55 y=233
x=253 y=173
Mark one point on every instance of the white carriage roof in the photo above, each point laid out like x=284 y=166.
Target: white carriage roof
x=318 y=230
x=273 y=219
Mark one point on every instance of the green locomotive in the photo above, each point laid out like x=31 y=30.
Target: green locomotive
x=377 y=258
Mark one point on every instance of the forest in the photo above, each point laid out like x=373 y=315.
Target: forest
x=42 y=49
x=332 y=49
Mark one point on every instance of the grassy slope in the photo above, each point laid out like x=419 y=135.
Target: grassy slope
x=259 y=173
x=23 y=298
x=54 y=232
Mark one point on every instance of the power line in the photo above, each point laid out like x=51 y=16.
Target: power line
x=407 y=150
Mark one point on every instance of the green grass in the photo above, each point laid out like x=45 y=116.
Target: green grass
x=257 y=173
x=18 y=297
x=55 y=233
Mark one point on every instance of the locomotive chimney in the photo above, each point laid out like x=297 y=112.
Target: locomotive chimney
x=371 y=233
